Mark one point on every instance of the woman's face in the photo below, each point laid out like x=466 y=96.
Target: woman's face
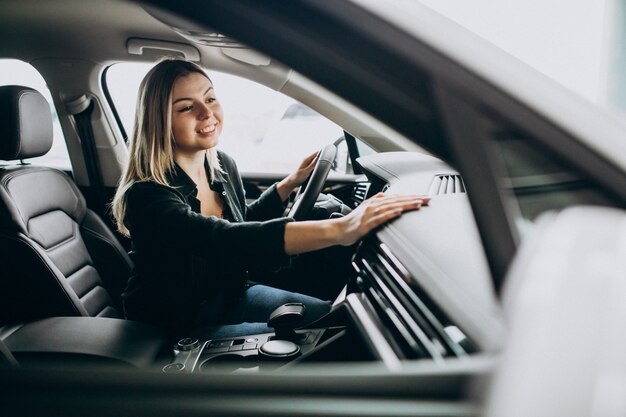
x=196 y=114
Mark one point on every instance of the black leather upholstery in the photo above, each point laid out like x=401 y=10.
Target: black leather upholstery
x=7 y=360
x=57 y=257
x=78 y=340
x=25 y=131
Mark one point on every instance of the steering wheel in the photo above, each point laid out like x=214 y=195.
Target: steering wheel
x=312 y=187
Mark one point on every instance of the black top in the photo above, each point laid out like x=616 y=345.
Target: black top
x=183 y=258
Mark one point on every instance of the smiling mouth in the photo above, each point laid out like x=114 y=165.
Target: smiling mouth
x=208 y=129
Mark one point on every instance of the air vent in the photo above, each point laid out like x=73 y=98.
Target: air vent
x=360 y=193
x=447 y=184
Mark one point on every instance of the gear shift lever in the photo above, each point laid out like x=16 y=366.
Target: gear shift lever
x=284 y=319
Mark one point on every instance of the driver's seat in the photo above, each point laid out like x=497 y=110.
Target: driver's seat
x=58 y=258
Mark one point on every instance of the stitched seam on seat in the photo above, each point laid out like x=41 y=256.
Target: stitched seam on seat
x=56 y=245
x=14 y=174
x=73 y=237
x=69 y=277
x=119 y=255
x=105 y=309
x=79 y=268
x=105 y=240
x=5 y=185
x=89 y=292
x=102 y=311
x=49 y=269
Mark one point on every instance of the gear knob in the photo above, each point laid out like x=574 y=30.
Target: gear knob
x=285 y=318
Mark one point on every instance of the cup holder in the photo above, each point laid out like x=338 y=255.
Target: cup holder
x=230 y=363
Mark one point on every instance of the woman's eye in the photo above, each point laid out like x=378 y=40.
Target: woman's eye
x=184 y=109
x=210 y=100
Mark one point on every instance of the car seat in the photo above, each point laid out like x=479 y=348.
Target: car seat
x=57 y=257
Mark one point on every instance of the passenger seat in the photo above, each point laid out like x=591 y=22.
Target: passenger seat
x=57 y=257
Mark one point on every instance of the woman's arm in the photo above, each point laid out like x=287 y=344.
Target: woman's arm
x=160 y=220
x=308 y=236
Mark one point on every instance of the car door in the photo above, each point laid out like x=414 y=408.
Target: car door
x=422 y=90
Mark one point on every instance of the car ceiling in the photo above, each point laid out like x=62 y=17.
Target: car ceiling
x=98 y=31
x=26 y=28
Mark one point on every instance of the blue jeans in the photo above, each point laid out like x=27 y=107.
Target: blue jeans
x=249 y=316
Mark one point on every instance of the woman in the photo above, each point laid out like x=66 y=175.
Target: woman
x=193 y=237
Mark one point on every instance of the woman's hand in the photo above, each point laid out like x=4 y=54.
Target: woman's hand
x=307 y=236
x=296 y=178
x=373 y=212
x=304 y=170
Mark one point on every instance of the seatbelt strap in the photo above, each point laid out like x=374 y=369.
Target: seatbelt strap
x=81 y=109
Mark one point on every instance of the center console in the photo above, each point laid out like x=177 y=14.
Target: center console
x=97 y=341
x=254 y=352
x=241 y=354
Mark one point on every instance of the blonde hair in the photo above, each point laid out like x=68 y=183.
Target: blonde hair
x=151 y=146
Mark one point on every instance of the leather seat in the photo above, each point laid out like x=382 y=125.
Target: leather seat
x=57 y=257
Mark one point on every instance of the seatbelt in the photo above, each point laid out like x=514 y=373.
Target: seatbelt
x=82 y=108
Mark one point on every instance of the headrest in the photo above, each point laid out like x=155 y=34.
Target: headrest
x=25 y=123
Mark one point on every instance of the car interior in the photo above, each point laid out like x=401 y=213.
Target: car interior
x=420 y=328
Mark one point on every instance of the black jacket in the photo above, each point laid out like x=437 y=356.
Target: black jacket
x=183 y=259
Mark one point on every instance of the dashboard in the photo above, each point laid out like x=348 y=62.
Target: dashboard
x=431 y=262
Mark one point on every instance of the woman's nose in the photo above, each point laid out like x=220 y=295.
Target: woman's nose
x=205 y=112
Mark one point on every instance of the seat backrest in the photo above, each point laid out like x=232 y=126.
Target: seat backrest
x=57 y=257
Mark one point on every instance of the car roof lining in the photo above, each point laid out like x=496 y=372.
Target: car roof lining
x=103 y=42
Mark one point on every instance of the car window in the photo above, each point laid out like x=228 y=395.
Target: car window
x=264 y=130
x=16 y=72
x=538 y=180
